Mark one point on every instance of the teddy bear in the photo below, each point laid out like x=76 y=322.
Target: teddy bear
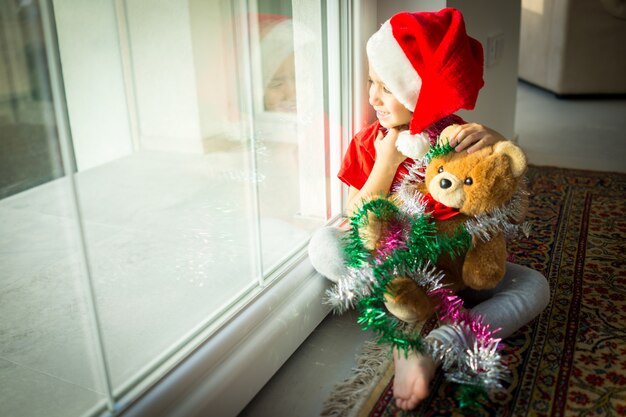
x=459 y=189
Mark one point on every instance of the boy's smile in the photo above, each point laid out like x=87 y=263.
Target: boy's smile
x=389 y=111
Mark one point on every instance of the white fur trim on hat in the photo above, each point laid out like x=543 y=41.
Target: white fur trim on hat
x=276 y=46
x=394 y=69
x=412 y=146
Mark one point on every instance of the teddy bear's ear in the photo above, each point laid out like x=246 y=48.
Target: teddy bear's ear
x=515 y=154
x=446 y=134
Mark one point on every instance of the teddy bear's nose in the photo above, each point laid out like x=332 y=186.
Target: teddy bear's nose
x=445 y=183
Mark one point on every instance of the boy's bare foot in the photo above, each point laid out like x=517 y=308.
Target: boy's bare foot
x=412 y=377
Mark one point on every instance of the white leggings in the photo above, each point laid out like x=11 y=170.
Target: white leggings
x=519 y=297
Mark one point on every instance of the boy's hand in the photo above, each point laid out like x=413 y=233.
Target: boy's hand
x=473 y=136
x=386 y=150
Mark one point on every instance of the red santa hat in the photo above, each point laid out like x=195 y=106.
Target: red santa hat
x=429 y=63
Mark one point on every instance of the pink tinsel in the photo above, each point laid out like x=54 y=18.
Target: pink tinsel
x=449 y=304
x=450 y=307
x=393 y=240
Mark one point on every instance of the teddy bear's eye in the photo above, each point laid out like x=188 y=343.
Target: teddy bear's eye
x=440 y=170
x=468 y=181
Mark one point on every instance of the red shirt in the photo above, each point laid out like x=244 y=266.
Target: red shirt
x=358 y=161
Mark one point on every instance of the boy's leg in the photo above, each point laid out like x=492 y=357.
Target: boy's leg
x=521 y=296
x=326 y=253
x=518 y=299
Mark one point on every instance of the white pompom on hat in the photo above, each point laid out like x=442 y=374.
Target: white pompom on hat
x=412 y=146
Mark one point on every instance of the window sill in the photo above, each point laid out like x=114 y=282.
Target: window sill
x=230 y=368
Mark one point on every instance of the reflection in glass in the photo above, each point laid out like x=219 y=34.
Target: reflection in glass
x=278 y=65
x=29 y=151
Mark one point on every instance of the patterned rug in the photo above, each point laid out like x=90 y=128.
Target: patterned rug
x=570 y=361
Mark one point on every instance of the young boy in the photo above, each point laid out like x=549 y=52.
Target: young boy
x=423 y=68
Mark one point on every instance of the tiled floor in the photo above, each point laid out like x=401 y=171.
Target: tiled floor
x=583 y=133
x=576 y=133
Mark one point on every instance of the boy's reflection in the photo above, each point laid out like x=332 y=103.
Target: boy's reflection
x=277 y=57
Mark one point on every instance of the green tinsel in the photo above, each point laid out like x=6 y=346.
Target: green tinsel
x=438 y=150
x=456 y=244
x=422 y=240
x=374 y=316
x=470 y=397
x=355 y=253
x=424 y=245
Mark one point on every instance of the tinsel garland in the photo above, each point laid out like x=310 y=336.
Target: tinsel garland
x=410 y=247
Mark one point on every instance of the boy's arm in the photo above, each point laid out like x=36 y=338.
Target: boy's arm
x=388 y=159
x=352 y=193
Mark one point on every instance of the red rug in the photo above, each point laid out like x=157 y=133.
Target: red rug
x=570 y=361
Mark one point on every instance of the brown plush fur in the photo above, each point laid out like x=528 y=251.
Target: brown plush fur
x=495 y=172
x=407 y=301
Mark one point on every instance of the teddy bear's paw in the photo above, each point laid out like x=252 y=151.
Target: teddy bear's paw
x=407 y=301
x=407 y=315
x=372 y=232
x=481 y=285
x=485 y=264
x=484 y=279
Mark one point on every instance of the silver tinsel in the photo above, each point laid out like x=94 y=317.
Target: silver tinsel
x=411 y=201
x=357 y=284
x=428 y=277
x=408 y=198
x=346 y=293
x=467 y=360
x=501 y=219
x=415 y=174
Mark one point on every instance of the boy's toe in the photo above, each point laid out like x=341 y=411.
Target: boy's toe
x=408 y=403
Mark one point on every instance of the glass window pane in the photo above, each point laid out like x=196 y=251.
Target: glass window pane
x=49 y=363
x=289 y=124
x=164 y=173
x=186 y=203
x=197 y=150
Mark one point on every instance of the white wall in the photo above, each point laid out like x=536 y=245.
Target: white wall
x=175 y=54
x=94 y=85
x=213 y=49
x=163 y=75
x=496 y=101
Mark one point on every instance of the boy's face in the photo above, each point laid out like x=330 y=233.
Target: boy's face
x=389 y=111
x=280 y=93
